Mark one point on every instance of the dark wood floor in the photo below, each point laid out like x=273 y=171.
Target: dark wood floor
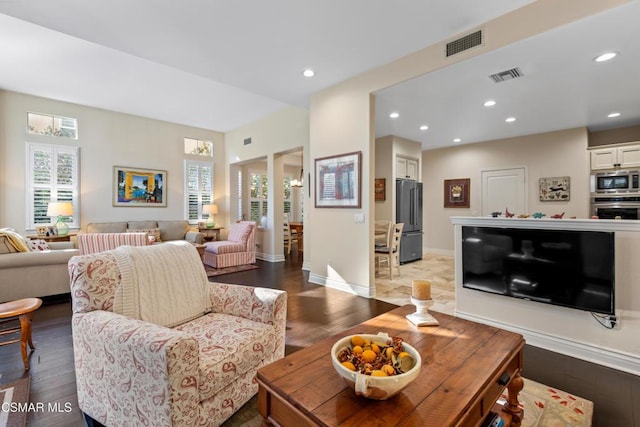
x=314 y=312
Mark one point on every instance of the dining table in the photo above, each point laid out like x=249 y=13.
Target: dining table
x=297 y=228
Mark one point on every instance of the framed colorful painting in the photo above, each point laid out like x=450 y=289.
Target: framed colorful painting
x=139 y=187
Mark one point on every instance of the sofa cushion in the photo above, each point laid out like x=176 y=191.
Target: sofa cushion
x=239 y=232
x=38 y=245
x=90 y=243
x=223 y=247
x=173 y=230
x=107 y=227
x=141 y=225
x=229 y=346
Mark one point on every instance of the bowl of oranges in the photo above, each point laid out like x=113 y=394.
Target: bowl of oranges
x=375 y=366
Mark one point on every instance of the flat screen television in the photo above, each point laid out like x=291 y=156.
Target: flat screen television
x=568 y=268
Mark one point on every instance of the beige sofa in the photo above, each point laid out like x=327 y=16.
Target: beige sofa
x=159 y=230
x=36 y=274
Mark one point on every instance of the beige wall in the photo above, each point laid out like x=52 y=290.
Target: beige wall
x=562 y=153
x=106 y=139
x=341 y=121
x=277 y=134
x=614 y=136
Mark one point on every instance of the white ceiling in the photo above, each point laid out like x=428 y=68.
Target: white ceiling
x=562 y=87
x=220 y=65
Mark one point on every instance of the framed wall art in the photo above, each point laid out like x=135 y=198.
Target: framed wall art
x=139 y=187
x=555 y=189
x=456 y=193
x=380 y=189
x=338 y=181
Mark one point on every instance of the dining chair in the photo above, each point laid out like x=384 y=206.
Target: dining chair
x=289 y=238
x=391 y=252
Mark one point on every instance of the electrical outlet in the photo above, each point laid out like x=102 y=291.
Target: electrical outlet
x=358 y=218
x=611 y=322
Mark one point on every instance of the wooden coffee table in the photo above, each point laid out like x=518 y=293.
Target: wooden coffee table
x=465 y=369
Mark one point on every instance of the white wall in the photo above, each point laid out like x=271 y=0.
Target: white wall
x=106 y=139
x=562 y=153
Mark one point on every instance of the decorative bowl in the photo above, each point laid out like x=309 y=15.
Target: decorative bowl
x=373 y=387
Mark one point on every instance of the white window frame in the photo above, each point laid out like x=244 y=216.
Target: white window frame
x=55 y=188
x=200 y=193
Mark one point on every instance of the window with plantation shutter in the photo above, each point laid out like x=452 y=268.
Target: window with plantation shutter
x=52 y=175
x=258 y=196
x=199 y=188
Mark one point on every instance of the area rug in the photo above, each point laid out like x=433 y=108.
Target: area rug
x=546 y=406
x=14 y=399
x=212 y=272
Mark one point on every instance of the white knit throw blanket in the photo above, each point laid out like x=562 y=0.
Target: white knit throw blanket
x=164 y=284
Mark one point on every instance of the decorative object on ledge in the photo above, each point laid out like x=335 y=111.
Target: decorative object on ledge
x=456 y=193
x=380 y=189
x=554 y=189
x=210 y=210
x=538 y=215
x=496 y=214
x=139 y=187
x=507 y=213
x=60 y=210
x=557 y=216
x=338 y=183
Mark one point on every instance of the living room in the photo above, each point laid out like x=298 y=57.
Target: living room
x=108 y=139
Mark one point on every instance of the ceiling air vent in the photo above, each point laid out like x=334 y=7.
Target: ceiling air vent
x=502 y=76
x=464 y=43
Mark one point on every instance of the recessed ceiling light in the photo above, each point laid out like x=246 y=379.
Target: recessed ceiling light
x=510 y=119
x=457 y=140
x=605 y=57
x=612 y=115
x=308 y=73
x=489 y=103
x=424 y=127
x=394 y=115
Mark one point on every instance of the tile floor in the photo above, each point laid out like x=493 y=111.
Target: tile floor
x=438 y=269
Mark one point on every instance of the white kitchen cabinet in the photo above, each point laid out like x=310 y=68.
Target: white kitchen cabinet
x=626 y=156
x=406 y=168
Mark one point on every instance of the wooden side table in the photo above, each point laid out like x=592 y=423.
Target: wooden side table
x=65 y=238
x=23 y=310
x=210 y=234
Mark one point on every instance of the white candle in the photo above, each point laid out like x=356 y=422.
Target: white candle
x=421 y=289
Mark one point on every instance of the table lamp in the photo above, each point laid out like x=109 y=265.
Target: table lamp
x=421 y=298
x=211 y=210
x=60 y=209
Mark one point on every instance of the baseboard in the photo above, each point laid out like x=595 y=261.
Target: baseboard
x=342 y=286
x=270 y=257
x=601 y=356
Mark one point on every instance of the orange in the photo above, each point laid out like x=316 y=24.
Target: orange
x=368 y=355
x=357 y=340
x=357 y=349
x=375 y=348
x=388 y=369
x=378 y=373
x=403 y=354
x=349 y=366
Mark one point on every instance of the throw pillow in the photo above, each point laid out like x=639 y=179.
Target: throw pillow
x=153 y=233
x=38 y=245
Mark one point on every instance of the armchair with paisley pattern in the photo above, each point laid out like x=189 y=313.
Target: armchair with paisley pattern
x=133 y=372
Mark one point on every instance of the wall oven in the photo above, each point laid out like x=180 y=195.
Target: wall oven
x=616 y=207
x=615 y=182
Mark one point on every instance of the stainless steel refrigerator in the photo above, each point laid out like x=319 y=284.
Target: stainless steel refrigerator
x=409 y=212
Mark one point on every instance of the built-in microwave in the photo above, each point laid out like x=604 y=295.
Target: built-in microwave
x=622 y=181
